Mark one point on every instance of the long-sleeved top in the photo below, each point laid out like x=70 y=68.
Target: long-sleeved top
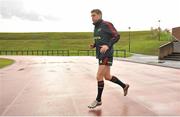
x=105 y=34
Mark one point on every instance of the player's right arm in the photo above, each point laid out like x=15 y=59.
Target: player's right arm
x=92 y=46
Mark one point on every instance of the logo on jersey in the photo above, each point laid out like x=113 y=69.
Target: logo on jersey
x=99 y=29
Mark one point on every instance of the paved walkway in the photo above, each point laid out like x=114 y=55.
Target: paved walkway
x=151 y=60
x=37 y=85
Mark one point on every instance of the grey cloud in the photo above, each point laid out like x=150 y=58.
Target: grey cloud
x=14 y=8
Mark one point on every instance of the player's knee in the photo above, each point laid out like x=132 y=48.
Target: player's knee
x=99 y=77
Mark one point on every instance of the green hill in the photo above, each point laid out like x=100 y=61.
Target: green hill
x=143 y=42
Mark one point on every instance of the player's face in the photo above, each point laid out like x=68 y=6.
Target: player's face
x=95 y=17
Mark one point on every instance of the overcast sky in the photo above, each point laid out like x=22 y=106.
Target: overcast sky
x=74 y=15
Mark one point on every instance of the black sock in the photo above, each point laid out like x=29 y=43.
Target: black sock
x=117 y=81
x=100 y=90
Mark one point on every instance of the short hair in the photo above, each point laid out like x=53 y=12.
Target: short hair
x=97 y=11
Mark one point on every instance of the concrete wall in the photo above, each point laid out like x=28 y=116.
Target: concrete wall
x=176 y=47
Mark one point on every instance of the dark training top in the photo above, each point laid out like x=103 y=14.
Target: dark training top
x=105 y=34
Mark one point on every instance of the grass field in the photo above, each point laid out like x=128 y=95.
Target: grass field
x=5 y=62
x=142 y=42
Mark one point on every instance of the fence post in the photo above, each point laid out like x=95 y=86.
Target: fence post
x=68 y=52
x=57 y=52
x=63 y=52
x=124 y=53
x=88 y=52
x=78 y=52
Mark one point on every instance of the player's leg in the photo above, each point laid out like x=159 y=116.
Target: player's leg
x=100 y=81
x=114 y=79
x=100 y=85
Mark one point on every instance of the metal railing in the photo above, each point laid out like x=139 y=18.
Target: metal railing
x=86 y=52
x=117 y=53
x=35 y=52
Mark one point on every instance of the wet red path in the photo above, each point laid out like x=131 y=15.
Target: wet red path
x=66 y=85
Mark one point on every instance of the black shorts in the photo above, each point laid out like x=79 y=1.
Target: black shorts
x=106 y=61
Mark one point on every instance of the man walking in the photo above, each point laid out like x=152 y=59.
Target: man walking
x=105 y=36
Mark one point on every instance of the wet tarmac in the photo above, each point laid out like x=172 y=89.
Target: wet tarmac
x=60 y=86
